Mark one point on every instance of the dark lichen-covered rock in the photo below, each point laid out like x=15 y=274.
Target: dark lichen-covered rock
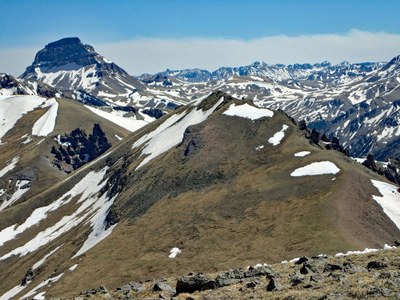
x=376 y=265
x=191 y=284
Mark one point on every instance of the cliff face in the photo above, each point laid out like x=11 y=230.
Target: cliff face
x=66 y=52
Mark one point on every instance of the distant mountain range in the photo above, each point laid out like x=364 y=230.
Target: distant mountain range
x=357 y=102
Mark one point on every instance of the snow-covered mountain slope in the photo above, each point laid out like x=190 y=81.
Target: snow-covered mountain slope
x=10 y=85
x=356 y=102
x=69 y=65
x=208 y=180
x=363 y=113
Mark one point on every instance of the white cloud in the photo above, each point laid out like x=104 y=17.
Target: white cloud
x=152 y=55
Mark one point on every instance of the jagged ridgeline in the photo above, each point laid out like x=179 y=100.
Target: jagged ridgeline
x=215 y=184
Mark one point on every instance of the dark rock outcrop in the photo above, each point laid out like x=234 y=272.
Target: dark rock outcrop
x=376 y=265
x=273 y=285
x=28 y=277
x=190 y=284
x=77 y=149
x=153 y=112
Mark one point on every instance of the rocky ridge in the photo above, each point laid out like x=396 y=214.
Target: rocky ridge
x=373 y=274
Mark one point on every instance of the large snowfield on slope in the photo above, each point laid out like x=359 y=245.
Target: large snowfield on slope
x=390 y=200
x=12 y=108
x=316 y=168
x=130 y=124
x=46 y=123
x=248 y=111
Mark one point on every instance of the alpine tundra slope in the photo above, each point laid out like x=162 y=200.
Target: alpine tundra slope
x=215 y=184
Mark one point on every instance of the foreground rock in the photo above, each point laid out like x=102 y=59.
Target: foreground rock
x=373 y=275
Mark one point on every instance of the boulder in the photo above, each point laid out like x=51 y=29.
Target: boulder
x=253 y=283
x=296 y=279
x=332 y=268
x=162 y=286
x=259 y=271
x=377 y=265
x=379 y=292
x=301 y=260
x=190 y=284
x=273 y=285
x=307 y=269
x=230 y=277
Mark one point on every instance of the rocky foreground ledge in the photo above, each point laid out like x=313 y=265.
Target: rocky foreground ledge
x=357 y=276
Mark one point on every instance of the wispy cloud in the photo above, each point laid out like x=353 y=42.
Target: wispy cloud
x=152 y=55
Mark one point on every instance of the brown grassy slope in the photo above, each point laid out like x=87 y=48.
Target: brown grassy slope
x=229 y=205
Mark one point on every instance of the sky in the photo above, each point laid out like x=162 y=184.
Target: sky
x=152 y=35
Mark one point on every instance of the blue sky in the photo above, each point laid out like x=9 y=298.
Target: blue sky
x=174 y=25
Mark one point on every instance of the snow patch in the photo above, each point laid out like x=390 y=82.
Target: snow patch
x=248 y=111
x=99 y=230
x=129 y=123
x=277 y=138
x=302 y=153
x=73 y=267
x=174 y=252
x=9 y=167
x=390 y=200
x=11 y=293
x=365 y=251
x=259 y=147
x=22 y=187
x=46 y=123
x=40 y=285
x=12 y=108
x=316 y=168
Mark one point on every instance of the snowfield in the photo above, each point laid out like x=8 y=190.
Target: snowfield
x=131 y=124
x=316 y=168
x=22 y=188
x=46 y=123
x=302 y=153
x=170 y=133
x=12 y=108
x=277 y=138
x=9 y=167
x=248 y=111
x=390 y=200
